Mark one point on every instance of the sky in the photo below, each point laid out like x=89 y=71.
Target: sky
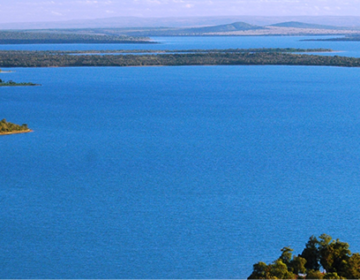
x=60 y=10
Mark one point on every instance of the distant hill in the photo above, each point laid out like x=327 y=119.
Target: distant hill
x=297 y=24
x=236 y=26
x=143 y=34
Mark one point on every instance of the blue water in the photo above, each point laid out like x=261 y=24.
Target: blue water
x=175 y=172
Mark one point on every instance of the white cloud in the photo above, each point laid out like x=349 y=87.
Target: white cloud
x=56 y=13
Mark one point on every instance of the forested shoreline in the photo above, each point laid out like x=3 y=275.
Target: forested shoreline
x=11 y=83
x=337 y=39
x=214 y=57
x=11 y=128
x=48 y=37
x=205 y=51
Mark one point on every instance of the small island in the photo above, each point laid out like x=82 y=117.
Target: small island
x=14 y=84
x=7 y=128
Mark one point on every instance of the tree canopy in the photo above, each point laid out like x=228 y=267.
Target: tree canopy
x=332 y=256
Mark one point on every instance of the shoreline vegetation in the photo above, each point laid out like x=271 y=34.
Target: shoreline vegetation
x=14 y=84
x=254 y=50
x=95 y=58
x=11 y=83
x=69 y=37
x=8 y=128
x=354 y=38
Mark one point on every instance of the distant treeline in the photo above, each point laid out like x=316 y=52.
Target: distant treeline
x=197 y=31
x=21 y=37
x=65 y=59
x=14 y=84
x=354 y=38
x=251 y=50
x=7 y=127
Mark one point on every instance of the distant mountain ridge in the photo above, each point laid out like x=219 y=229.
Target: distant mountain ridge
x=236 y=26
x=143 y=34
x=182 y=22
x=297 y=24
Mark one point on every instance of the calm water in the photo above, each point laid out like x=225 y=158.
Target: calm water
x=175 y=172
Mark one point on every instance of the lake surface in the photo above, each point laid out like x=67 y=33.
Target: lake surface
x=176 y=172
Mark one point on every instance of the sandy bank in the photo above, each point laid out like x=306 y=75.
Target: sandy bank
x=16 y=132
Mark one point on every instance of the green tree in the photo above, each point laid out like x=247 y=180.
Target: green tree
x=311 y=254
x=280 y=271
x=352 y=267
x=297 y=265
x=325 y=251
x=286 y=255
x=260 y=271
x=334 y=254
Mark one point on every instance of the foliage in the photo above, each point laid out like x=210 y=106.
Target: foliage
x=314 y=274
x=311 y=254
x=70 y=37
x=12 y=83
x=220 y=57
x=334 y=256
x=7 y=127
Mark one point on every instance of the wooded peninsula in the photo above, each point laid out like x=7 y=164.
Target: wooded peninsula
x=68 y=37
x=15 y=84
x=173 y=58
x=11 y=128
x=354 y=38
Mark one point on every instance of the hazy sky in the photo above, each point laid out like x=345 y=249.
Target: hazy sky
x=55 y=10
